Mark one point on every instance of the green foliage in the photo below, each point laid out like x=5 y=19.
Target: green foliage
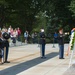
x=72 y=7
x=40 y=21
x=31 y=15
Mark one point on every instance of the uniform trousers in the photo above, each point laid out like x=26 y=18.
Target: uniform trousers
x=42 y=50
x=61 y=51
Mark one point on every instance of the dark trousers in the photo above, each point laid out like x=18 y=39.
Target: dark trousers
x=42 y=50
x=55 y=40
x=7 y=50
x=61 y=51
x=18 y=38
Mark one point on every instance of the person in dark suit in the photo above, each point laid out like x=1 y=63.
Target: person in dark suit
x=6 y=36
x=61 y=43
x=1 y=48
x=42 y=43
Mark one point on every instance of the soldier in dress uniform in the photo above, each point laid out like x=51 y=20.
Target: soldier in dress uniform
x=6 y=36
x=42 y=43
x=61 y=43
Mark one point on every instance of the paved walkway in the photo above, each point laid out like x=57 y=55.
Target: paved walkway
x=70 y=71
x=25 y=60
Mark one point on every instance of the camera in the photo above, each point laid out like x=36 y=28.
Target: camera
x=6 y=35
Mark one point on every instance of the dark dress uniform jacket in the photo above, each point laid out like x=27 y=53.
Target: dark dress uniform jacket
x=6 y=36
x=1 y=43
x=42 y=38
x=61 y=39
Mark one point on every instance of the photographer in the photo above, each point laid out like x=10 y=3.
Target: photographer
x=6 y=37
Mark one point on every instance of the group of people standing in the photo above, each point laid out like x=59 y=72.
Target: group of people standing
x=5 y=35
x=33 y=36
x=14 y=34
x=59 y=39
x=10 y=33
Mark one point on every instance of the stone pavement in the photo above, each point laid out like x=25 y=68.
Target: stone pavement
x=25 y=60
x=70 y=71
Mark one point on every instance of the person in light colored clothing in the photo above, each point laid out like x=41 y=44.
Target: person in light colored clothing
x=26 y=36
x=15 y=34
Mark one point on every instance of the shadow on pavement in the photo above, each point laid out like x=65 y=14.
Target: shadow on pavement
x=26 y=65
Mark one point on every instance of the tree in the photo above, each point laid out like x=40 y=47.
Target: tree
x=22 y=13
x=72 y=7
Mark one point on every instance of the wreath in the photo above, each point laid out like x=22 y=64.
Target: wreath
x=72 y=38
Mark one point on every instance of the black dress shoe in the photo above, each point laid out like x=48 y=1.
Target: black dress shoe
x=7 y=62
x=1 y=63
x=61 y=58
x=43 y=57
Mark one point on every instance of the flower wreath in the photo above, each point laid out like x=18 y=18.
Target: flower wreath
x=72 y=40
